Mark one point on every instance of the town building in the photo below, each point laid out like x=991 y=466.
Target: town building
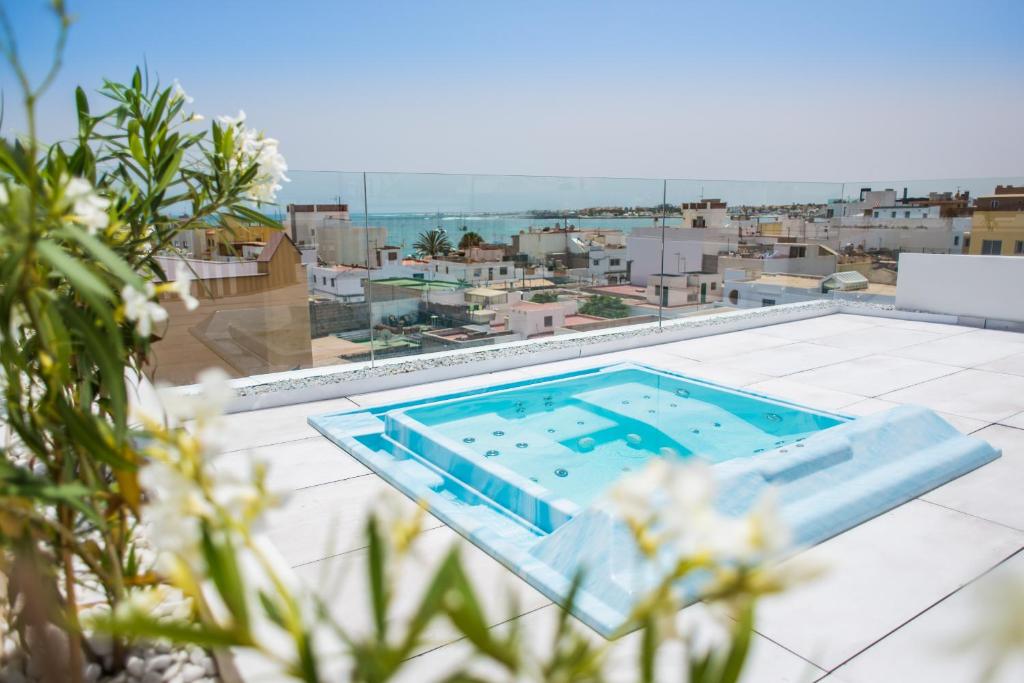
x=997 y=227
x=750 y=289
x=341 y=243
x=706 y=213
x=305 y=221
x=687 y=289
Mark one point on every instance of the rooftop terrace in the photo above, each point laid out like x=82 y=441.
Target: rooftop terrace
x=897 y=588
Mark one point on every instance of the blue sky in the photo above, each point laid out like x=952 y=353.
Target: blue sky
x=748 y=90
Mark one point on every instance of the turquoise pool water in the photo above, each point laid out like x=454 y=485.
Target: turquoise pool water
x=519 y=469
x=578 y=435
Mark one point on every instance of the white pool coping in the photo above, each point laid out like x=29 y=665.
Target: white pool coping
x=314 y=384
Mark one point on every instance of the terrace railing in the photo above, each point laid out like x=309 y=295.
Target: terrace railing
x=381 y=265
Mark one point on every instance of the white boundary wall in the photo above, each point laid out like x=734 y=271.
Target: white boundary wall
x=987 y=287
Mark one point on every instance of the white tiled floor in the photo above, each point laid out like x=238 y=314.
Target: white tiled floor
x=893 y=593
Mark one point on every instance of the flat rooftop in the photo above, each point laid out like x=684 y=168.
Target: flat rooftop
x=896 y=590
x=814 y=282
x=413 y=283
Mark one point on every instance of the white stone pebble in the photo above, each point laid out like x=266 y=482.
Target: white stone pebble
x=135 y=666
x=159 y=663
x=191 y=673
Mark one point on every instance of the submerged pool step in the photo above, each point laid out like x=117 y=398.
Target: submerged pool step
x=505 y=488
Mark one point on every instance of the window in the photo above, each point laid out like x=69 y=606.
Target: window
x=691 y=297
x=477 y=272
x=657 y=290
x=767 y=302
x=595 y=263
x=894 y=214
x=1018 y=247
x=392 y=256
x=956 y=240
x=992 y=247
x=503 y=270
x=714 y=286
x=994 y=204
x=332 y=282
x=906 y=214
x=613 y=262
x=548 y=321
x=734 y=297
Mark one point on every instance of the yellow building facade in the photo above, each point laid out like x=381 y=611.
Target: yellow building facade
x=997 y=233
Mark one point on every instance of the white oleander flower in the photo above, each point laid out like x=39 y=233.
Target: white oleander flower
x=233 y=120
x=88 y=208
x=182 y=286
x=205 y=406
x=178 y=93
x=252 y=147
x=633 y=497
x=141 y=309
x=173 y=511
x=761 y=533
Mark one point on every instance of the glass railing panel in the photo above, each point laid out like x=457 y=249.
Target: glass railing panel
x=741 y=244
x=374 y=266
x=481 y=260
x=266 y=304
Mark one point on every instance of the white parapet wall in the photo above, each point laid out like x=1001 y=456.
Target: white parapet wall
x=981 y=287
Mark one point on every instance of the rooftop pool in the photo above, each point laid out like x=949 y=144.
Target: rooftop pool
x=519 y=468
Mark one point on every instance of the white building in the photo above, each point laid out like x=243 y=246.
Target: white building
x=305 y=221
x=683 y=252
x=475 y=273
x=868 y=200
x=745 y=289
x=529 y=319
x=683 y=290
x=540 y=244
x=346 y=283
x=906 y=212
x=707 y=213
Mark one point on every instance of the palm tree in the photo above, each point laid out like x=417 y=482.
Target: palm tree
x=470 y=239
x=432 y=243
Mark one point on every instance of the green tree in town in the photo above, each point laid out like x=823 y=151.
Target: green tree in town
x=605 y=306
x=432 y=243
x=545 y=297
x=470 y=239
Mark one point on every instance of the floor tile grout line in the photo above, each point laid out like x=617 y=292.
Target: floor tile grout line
x=333 y=556
x=317 y=435
x=792 y=652
x=917 y=384
x=1003 y=424
x=968 y=514
x=367 y=473
x=493 y=626
x=916 y=616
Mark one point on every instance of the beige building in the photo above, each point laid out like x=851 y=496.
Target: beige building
x=997 y=228
x=253 y=317
x=341 y=243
